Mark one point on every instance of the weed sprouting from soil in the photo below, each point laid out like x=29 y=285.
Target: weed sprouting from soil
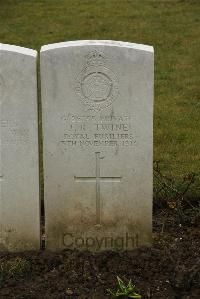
x=124 y=291
x=13 y=269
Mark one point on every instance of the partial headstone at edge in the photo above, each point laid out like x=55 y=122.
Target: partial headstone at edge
x=97 y=99
x=19 y=163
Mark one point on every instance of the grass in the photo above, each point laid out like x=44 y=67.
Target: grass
x=171 y=26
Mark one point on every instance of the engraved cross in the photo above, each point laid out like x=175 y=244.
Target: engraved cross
x=98 y=178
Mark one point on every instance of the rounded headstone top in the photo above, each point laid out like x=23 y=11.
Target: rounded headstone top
x=17 y=49
x=97 y=43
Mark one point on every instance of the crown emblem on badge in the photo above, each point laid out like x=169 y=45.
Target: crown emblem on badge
x=95 y=58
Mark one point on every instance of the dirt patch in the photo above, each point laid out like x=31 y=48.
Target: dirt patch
x=169 y=269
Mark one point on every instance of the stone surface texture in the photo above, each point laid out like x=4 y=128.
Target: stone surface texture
x=97 y=99
x=19 y=171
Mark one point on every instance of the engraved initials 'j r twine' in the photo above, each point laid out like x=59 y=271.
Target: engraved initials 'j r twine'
x=98 y=178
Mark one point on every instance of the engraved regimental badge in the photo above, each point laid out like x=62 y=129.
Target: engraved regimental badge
x=97 y=85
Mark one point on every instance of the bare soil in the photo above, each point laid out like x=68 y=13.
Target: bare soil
x=168 y=270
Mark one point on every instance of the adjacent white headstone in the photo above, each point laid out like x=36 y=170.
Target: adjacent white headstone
x=19 y=174
x=97 y=119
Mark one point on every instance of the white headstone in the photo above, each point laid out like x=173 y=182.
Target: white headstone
x=97 y=118
x=19 y=174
